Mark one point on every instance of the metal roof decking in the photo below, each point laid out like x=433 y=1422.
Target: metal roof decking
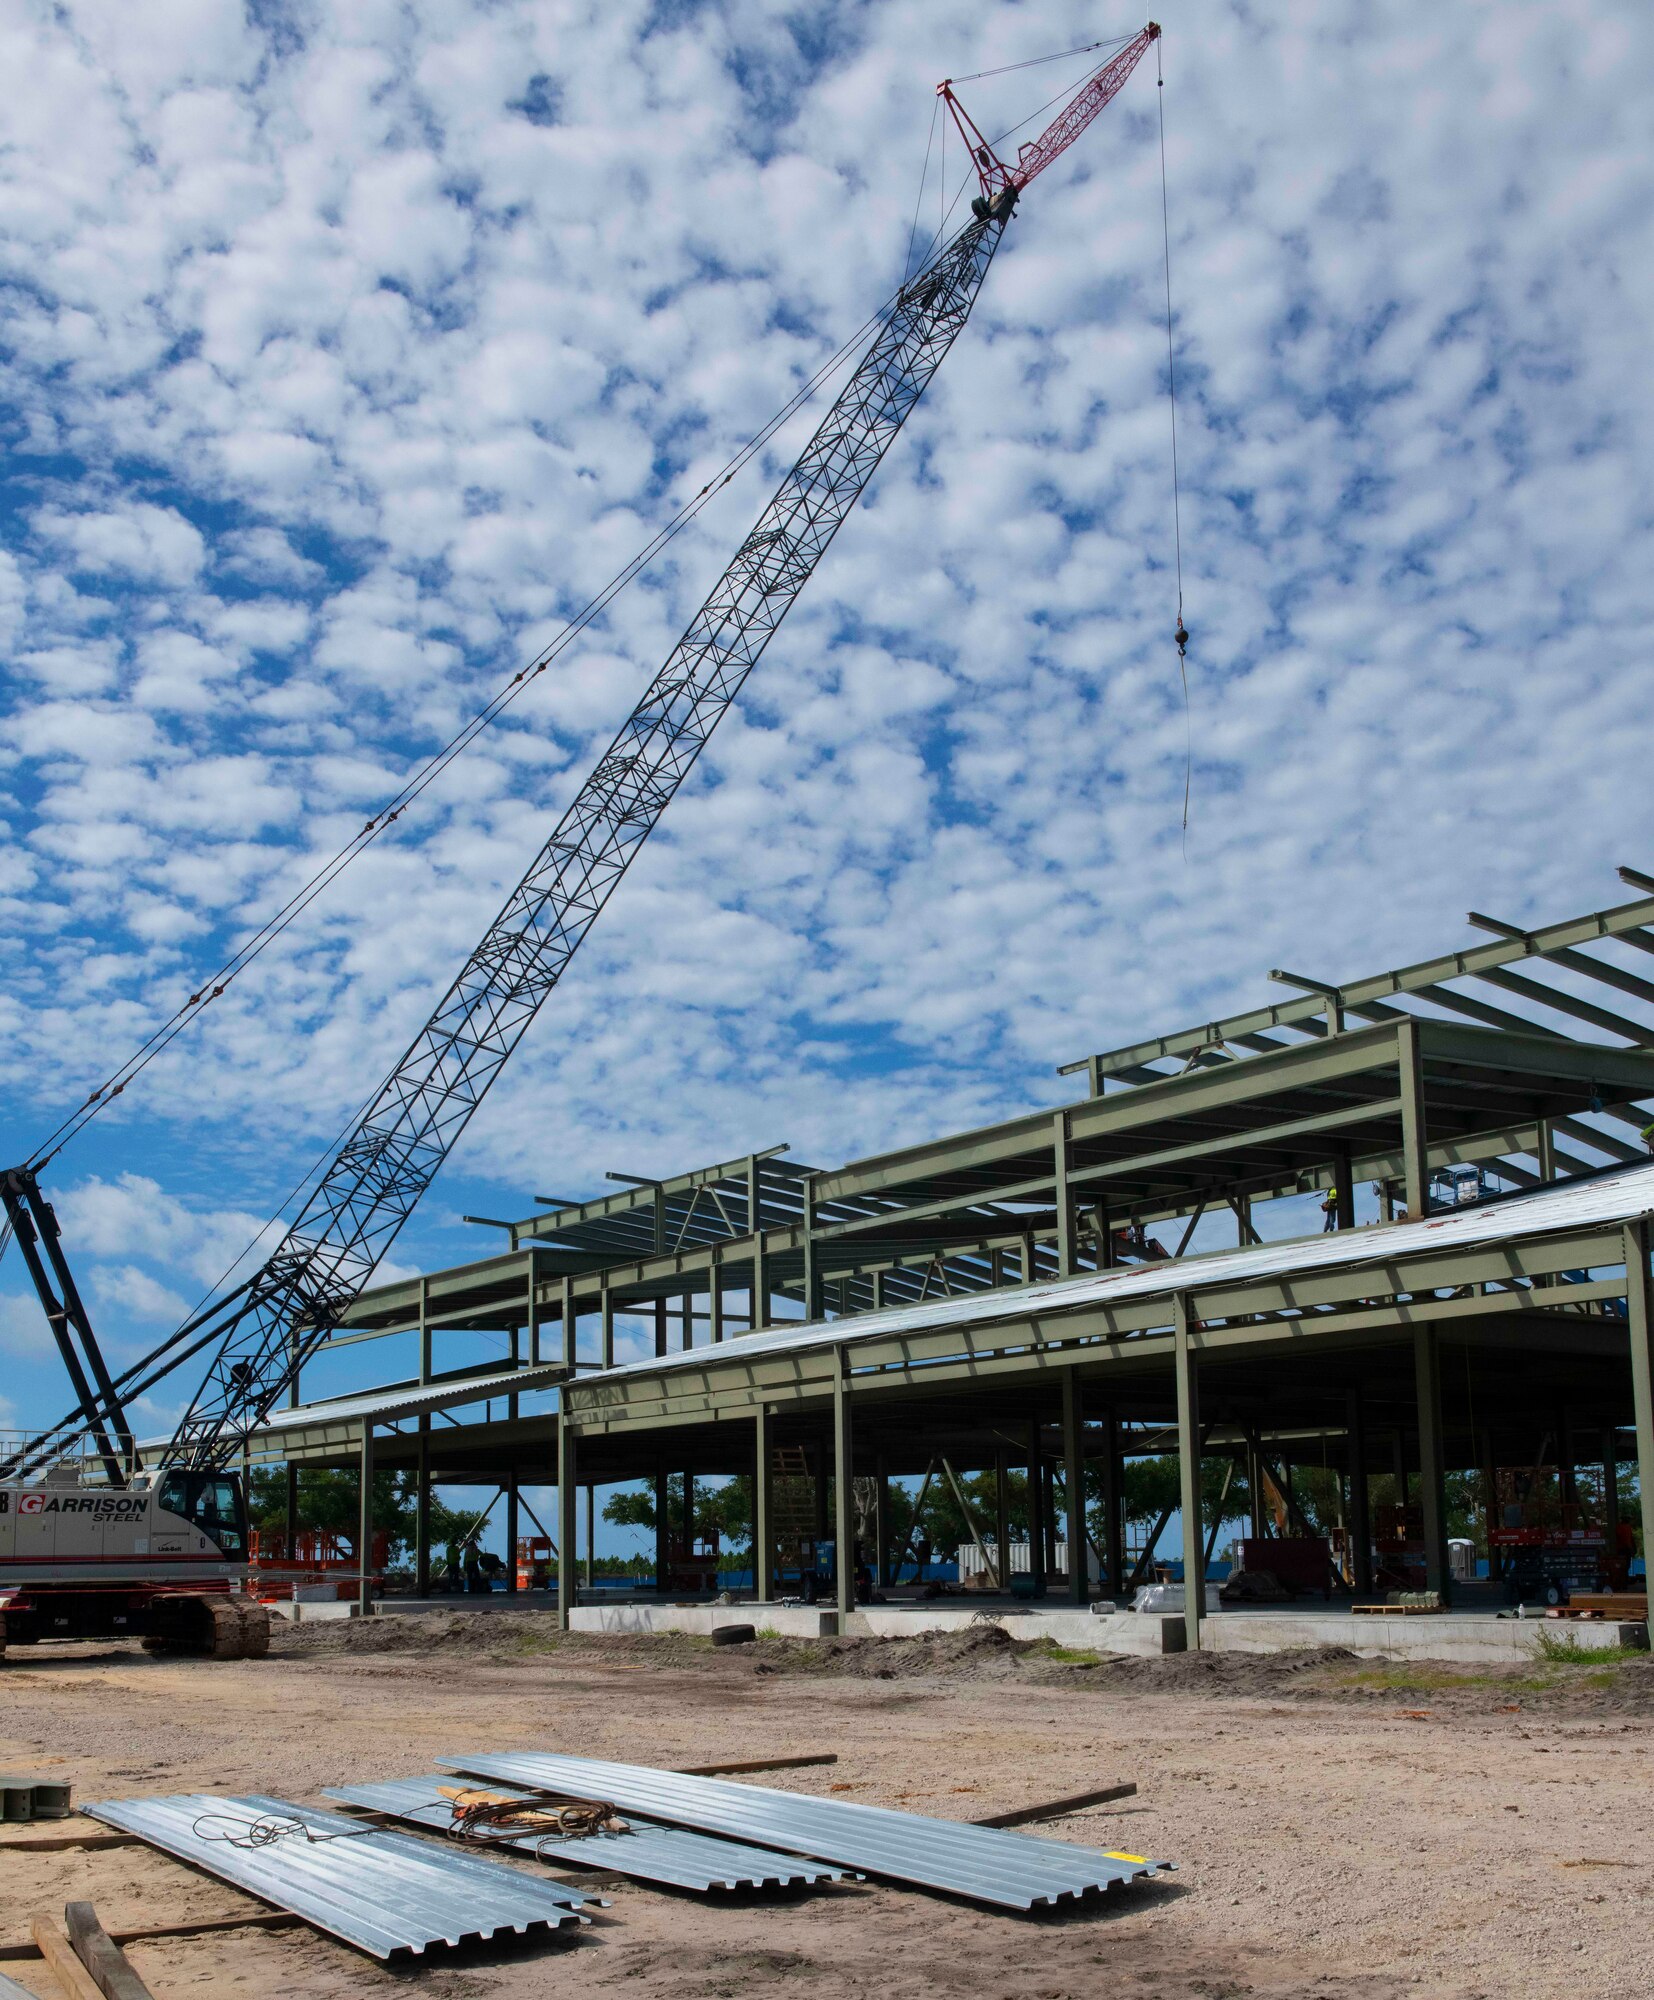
x=388 y=1893
x=1010 y=1871
x=1607 y=1198
x=675 y=1855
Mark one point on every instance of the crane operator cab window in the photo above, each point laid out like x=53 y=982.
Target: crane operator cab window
x=212 y=1504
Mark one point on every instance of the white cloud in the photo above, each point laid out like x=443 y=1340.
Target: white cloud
x=149 y=544
x=377 y=361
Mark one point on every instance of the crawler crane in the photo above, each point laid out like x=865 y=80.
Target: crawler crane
x=96 y=1538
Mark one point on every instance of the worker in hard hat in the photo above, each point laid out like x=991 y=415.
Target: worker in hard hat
x=1329 y=1211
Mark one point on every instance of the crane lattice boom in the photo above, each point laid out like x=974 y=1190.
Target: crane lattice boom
x=268 y=1327
x=1059 y=135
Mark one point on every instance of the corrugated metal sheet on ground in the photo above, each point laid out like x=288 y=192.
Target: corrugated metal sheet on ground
x=670 y=1854
x=1013 y=1871
x=10 y=1990
x=1602 y=1199
x=386 y=1892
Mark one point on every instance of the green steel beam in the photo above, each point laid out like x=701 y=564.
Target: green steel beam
x=1616 y=922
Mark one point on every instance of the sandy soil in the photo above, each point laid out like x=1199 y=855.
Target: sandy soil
x=1338 y=1828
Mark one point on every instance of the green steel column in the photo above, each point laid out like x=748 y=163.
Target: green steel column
x=1361 y=1531
x=1036 y=1508
x=292 y=1470
x=364 y=1523
x=1641 y=1324
x=844 y=1496
x=814 y=1307
x=591 y=1530
x=1064 y=1199
x=571 y=1326
x=422 y=1513
x=881 y=1520
x=755 y=1227
x=1188 y=1465
x=663 y=1526
x=607 y=1300
x=511 y=1535
x=425 y=1322
x=1113 y=1506
x=1002 y=1522
x=568 y=1516
x=1073 y=1472
x=1432 y=1470
x=1610 y=1487
x=763 y=1532
x=1346 y=1185
x=715 y=1297
x=1414 y=1136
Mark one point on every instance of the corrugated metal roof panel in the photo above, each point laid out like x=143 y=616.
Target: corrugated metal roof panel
x=385 y=1892
x=1604 y=1198
x=1011 y=1871
x=404 y=1399
x=670 y=1854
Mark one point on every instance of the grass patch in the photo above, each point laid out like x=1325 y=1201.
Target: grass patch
x=1403 y=1677
x=1068 y=1656
x=1563 y=1649
x=767 y=1632
x=527 y=1644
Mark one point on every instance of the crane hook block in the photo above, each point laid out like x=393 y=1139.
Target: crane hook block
x=1181 y=635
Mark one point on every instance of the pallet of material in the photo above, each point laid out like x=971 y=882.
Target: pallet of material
x=1397 y=1610
x=1621 y=1605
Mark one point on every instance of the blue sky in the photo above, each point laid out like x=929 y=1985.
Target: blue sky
x=346 y=349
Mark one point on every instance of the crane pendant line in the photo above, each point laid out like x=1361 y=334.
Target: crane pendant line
x=374 y=1181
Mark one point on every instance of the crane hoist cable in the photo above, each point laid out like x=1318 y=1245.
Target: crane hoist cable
x=1180 y=636
x=370 y=1187
x=214 y=984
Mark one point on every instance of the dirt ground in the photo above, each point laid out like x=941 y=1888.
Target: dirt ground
x=1338 y=1828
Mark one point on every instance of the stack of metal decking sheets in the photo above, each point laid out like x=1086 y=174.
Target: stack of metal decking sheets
x=669 y=1854
x=1011 y=1871
x=387 y=1892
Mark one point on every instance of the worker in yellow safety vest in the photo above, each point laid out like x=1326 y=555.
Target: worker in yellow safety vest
x=1329 y=1211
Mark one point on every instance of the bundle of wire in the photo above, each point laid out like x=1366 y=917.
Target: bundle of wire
x=510 y=1815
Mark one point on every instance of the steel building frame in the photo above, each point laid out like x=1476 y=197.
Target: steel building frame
x=1387 y=1079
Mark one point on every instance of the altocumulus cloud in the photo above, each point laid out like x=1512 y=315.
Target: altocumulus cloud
x=348 y=348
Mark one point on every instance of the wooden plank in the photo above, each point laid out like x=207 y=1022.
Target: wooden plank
x=111 y=1970
x=261 y=1920
x=1629 y=1608
x=1057 y=1808
x=754 y=1764
x=66 y=1969
x=59 y=1843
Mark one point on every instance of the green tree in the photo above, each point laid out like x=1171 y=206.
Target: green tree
x=328 y=1502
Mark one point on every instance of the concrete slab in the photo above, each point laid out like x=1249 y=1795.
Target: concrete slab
x=1122 y=1632
x=1467 y=1638
x=788 y=1621
x=311 y=1614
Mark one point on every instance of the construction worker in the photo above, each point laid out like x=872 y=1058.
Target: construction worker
x=1329 y=1211
x=1647 y=1136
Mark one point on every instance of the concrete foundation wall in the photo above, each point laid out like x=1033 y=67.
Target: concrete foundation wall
x=1462 y=1637
x=788 y=1621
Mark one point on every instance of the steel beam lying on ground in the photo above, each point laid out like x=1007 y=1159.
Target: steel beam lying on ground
x=670 y=1854
x=387 y=1893
x=1010 y=1871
